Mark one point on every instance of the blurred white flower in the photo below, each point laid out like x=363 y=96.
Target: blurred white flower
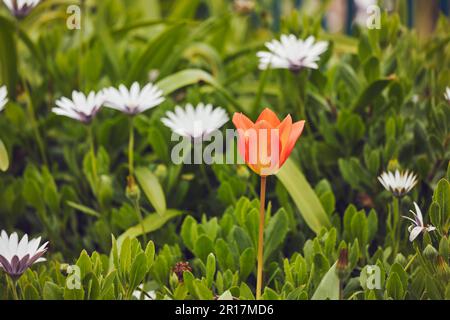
x=3 y=97
x=135 y=100
x=417 y=227
x=195 y=122
x=17 y=256
x=292 y=53
x=80 y=108
x=149 y=295
x=447 y=94
x=399 y=183
x=21 y=8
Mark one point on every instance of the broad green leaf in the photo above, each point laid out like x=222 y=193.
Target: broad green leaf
x=247 y=262
x=138 y=271
x=152 y=189
x=275 y=233
x=394 y=287
x=304 y=196
x=151 y=223
x=52 y=291
x=203 y=247
x=328 y=288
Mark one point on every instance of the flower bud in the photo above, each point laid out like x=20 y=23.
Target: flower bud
x=161 y=171
x=180 y=268
x=132 y=191
x=400 y=259
x=430 y=253
x=342 y=264
x=442 y=268
x=393 y=165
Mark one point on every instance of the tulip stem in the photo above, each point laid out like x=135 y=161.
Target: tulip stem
x=261 y=237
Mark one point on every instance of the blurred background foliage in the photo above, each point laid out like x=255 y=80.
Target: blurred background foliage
x=375 y=102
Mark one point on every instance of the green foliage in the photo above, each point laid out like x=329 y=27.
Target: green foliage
x=374 y=102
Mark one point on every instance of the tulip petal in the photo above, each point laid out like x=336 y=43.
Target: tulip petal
x=241 y=121
x=285 y=128
x=269 y=116
x=296 y=131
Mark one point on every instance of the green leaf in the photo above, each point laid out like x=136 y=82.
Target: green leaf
x=210 y=269
x=203 y=247
x=372 y=69
x=31 y=293
x=245 y=293
x=442 y=197
x=138 y=271
x=275 y=233
x=151 y=223
x=247 y=262
x=152 y=189
x=157 y=52
x=52 y=291
x=125 y=256
x=370 y=93
x=84 y=263
x=304 y=196
x=150 y=254
x=189 y=232
x=394 y=287
x=328 y=288
x=83 y=209
x=8 y=56
x=4 y=160
x=226 y=296
x=188 y=77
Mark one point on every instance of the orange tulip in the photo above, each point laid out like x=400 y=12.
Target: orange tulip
x=266 y=144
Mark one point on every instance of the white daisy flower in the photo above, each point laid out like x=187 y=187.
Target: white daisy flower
x=3 y=97
x=195 y=122
x=21 y=8
x=447 y=94
x=417 y=227
x=135 y=100
x=148 y=295
x=292 y=53
x=399 y=183
x=80 y=108
x=17 y=256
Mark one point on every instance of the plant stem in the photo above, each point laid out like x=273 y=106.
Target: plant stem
x=341 y=290
x=410 y=262
x=12 y=284
x=396 y=214
x=140 y=218
x=93 y=158
x=261 y=237
x=131 y=148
